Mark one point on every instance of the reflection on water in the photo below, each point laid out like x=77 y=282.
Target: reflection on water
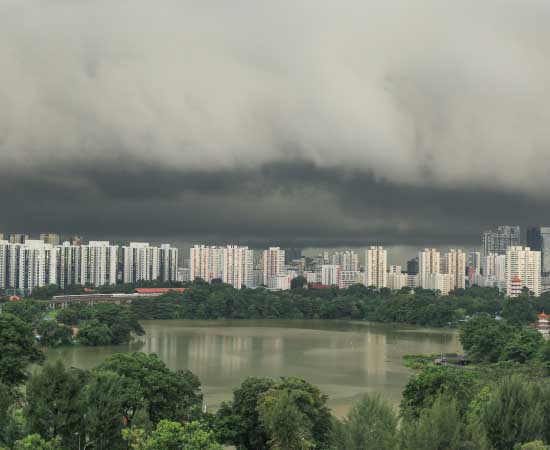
x=344 y=359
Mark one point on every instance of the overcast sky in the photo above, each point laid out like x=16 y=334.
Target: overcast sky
x=306 y=121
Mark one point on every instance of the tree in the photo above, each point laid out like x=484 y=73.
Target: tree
x=523 y=346
x=240 y=424
x=423 y=388
x=52 y=334
x=151 y=385
x=438 y=428
x=120 y=320
x=45 y=292
x=68 y=316
x=55 y=405
x=173 y=436
x=36 y=442
x=483 y=338
x=513 y=414
x=104 y=396
x=286 y=426
x=10 y=429
x=371 y=424
x=298 y=282
x=18 y=349
x=94 y=333
x=27 y=310
x=519 y=310
x=313 y=403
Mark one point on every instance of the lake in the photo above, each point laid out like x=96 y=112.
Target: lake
x=345 y=359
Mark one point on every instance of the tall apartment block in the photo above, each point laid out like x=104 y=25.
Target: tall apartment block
x=497 y=241
x=376 y=262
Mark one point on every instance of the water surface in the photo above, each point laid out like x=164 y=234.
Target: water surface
x=344 y=359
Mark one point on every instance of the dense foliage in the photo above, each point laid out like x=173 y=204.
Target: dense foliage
x=220 y=301
x=134 y=401
x=18 y=349
x=102 y=324
x=488 y=340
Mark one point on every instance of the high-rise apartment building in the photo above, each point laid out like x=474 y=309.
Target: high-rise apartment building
x=498 y=241
x=206 y=263
x=98 y=263
x=522 y=264
x=473 y=263
x=140 y=262
x=168 y=263
x=50 y=238
x=278 y=282
x=18 y=238
x=292 y=253
x=349 y=278
x=69 y=258
x=4 y=262
x=394 y=269
x=412 y=266
x=397 y=280
x=538 y=239
x=440 y=282
x=27 y=266
x=347 y=260
x=455 y=267
x=330 y=274
x=238 y=266
x=273 y=263
x=376 y=267
x=429 y=261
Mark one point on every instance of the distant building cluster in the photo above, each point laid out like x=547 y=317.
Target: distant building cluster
x=502 y=263
x=29 y=263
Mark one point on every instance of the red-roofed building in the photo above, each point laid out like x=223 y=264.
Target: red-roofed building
x=318 y=286
x=543 y=324
x=515 y=287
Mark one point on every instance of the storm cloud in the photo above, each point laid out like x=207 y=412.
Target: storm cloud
x=307 y=121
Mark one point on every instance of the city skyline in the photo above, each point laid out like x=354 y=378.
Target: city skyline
x=27 y=263
x=398 y=253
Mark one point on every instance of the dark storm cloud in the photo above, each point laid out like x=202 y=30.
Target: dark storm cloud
x=292 y=202
x=373 y=121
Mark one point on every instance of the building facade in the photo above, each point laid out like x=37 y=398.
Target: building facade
x=347 y=260
x=98 y=263
x=455 y=267
x=206 y=263
x=273 y=263
x=376 y=262
x=168 y=263
x=69 y=259
x=497 y=241
x=238 y=266
x=140 y=262
x=538 y=239
x=523 y=264
x=330 y=275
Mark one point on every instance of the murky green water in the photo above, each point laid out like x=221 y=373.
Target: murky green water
x=344 y=359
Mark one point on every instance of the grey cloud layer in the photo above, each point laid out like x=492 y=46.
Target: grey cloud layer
x=322 y=119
